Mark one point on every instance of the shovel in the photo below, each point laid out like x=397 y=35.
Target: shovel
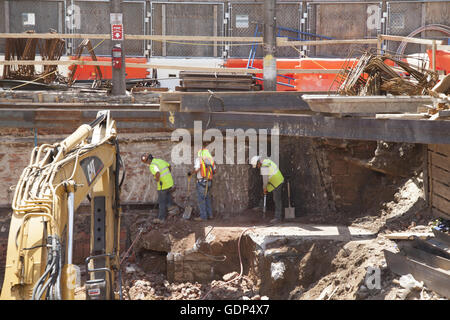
x=264 y=207
x=289 y=212
x=188 y=208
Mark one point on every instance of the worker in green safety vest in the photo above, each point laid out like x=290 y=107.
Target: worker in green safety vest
x=272 y=182
x=161 y=171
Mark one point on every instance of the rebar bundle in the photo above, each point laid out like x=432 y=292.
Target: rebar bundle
x=26 y=50
x=372 y=75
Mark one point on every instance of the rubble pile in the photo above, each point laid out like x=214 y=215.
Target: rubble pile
x=139 y=285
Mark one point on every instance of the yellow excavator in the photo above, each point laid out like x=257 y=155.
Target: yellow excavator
x=39 y=261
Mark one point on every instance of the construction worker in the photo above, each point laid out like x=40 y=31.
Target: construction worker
x=161 y=171
x=272 y=182
x=204 y=168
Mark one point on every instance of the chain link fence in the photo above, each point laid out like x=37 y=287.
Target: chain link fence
x=189 y=19
x=355 y=20
x=402 y=19
x=92 y=17
x=295 y=20
x=407 y=18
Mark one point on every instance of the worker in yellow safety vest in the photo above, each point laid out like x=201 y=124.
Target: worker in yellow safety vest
x=272 y=182
x=161 y=171
x=204 y=168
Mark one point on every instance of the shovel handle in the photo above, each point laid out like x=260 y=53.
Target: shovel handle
x=189 y=182
x=289 y=193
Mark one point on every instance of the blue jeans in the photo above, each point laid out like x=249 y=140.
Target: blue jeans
x=165 y=201
x=204 y=202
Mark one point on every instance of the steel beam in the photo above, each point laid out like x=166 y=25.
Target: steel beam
x=312 y=126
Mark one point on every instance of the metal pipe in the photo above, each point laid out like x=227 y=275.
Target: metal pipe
x=70 y=207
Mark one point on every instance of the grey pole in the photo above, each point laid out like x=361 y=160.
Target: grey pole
x=118 y=75
x=270 y=62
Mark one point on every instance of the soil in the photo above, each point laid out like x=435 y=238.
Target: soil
x=317 y=269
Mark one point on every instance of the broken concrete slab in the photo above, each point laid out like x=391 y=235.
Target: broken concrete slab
x=297 y=233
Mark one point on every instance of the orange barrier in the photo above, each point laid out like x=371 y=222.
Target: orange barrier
x=258 y=64
x=442 y=60
x=84 y=72
x=306 y=82
x=309 y=82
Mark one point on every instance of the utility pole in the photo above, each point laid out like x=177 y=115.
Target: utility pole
x=117 y=41
x=270 y=31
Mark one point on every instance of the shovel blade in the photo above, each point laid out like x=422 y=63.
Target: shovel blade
x=289 y=213
x=187 y=213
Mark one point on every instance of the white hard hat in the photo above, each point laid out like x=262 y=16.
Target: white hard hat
x=254 y=161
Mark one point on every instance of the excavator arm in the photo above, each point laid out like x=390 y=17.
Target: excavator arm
x=39 y=261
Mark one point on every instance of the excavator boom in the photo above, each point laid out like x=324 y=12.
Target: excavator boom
x=39 y=260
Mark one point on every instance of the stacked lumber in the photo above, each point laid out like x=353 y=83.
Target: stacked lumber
x=427 y=260
x=439 y=179
x=203 y=81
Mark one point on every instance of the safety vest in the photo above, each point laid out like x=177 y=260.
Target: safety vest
x=207 y=166
x=275 y=176
x=161 y=166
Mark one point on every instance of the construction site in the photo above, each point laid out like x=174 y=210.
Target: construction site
x=224 y=150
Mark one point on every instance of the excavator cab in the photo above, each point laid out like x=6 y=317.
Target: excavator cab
x=39 y=261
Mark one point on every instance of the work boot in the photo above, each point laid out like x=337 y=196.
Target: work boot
x=158 y=221
x=199 y=219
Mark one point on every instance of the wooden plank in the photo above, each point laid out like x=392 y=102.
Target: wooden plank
x=219 y=80
x=440 y=245
x=426 y=245
x=439 y=214
x=441 y=190
x=128 y=37
x=169 y=67
x=423 y=256
x=426 y=177
x=309 y=71
x=443 y=47
x=440 y=161
x=129 y=65
x=411 y=40
x=443 y=149
x=283 y=42
x=409 y=235
x=251 y=101
x=435 y=279
x=440 y=203
x=442 y=236
x=440 y=175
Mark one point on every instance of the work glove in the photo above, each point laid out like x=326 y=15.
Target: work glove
x=265 y=191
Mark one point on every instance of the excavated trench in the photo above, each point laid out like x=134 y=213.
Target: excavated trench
x=279 y=261
x=333 y=182
x=333 y=189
